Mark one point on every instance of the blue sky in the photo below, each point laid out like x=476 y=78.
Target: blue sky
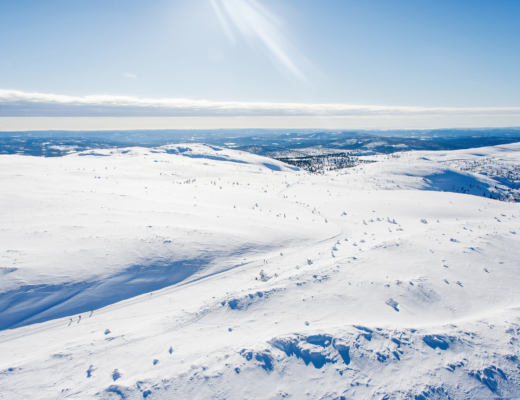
x=401 y=54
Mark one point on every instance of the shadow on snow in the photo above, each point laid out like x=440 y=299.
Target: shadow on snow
x=39 y=303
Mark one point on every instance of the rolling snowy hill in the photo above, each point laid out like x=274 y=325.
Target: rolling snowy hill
x=218 y=274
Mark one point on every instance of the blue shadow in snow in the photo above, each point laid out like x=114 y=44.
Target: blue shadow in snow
x=451 y=181
x=272 y=167
x=214 y=158
x=39 y=303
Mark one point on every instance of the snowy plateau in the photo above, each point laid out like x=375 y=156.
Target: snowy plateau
x=197 y=272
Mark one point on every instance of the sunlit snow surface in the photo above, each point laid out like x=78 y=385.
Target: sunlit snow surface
x=215 y=274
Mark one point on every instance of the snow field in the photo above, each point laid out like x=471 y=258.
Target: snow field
x=70 y=238
x=342 y=302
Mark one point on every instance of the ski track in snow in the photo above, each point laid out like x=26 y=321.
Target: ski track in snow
x=217 y=274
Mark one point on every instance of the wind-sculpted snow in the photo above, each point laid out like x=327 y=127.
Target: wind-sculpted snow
x=436 y=341
x=361 y=351
x=150 y=274
x=317 y=350
x=243 y=303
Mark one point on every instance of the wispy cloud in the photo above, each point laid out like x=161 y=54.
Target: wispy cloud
x=129 y=75
x=257 y=25
x=14 y=103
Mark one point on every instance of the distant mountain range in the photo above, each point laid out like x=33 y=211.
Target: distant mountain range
x=268 y=142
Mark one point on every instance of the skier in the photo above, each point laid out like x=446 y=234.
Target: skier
x=91 y=312
x=79 y=319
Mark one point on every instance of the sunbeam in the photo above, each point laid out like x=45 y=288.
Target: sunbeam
x=257 y=24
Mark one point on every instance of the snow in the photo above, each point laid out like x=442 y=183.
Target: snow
x=202 y=272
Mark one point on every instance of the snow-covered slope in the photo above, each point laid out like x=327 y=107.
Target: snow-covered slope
x=218 y=274
x=89 y=229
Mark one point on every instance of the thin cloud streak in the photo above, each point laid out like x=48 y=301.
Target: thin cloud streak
x=14 y=103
